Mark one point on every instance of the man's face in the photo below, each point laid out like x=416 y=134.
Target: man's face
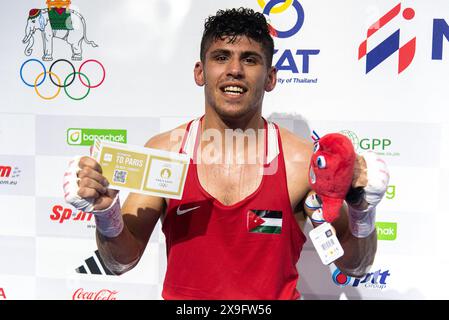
x=235 y=76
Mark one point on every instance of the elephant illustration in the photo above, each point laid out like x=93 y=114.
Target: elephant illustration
x=73 y=31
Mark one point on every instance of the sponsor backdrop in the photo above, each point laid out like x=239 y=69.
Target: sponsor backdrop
x=375 y=70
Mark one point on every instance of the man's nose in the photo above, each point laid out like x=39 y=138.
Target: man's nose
x=235 y=69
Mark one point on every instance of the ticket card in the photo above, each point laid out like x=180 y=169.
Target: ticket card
x=326 y=243
x=143 y=170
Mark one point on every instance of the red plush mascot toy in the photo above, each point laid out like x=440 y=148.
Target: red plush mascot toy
x=331 y=170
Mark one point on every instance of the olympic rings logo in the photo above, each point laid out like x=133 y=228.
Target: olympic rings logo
x=271 y=7
x=68 y=80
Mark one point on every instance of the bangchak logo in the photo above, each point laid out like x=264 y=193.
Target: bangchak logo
x=372 y=280
x=86 y=137
x=387 y=231
x=293 y=64
x=382 y=146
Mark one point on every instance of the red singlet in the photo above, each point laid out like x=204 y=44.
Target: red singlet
x=247 y=250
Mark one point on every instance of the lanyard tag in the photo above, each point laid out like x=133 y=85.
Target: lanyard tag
x=326 y=243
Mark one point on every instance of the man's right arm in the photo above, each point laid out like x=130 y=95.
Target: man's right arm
x=140 y=214
x=122 y=232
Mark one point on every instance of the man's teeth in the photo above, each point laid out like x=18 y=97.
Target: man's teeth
x=233 y=90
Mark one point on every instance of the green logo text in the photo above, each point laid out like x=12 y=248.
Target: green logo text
x=86 y=137
x=387 y=230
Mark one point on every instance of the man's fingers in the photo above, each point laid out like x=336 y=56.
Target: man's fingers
x=85 y=192
x=91 y=163
x=88 y=172
x=360 y=177
x=92 y=184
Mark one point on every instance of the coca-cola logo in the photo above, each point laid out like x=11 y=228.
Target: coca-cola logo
x=103 y=294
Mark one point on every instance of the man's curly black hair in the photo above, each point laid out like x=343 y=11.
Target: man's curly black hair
x=237 y=22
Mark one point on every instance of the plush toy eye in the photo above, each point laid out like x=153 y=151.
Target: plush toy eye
x=316 y=146
x=321 y=162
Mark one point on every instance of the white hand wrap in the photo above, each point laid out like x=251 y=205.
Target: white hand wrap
x=362 y=222
x=70 y=186
x=110 y=221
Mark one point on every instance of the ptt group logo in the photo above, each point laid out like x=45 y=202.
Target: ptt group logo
x=382 y=146
x=285 y=19
x=9 y=175
x=372 y=280
x=86 y=136
x=58 y=25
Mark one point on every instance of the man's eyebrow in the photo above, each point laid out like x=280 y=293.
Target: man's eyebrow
x=245 y=54
x=220 y=51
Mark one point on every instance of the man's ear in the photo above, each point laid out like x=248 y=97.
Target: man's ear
x=271 y=80
x=198 y=73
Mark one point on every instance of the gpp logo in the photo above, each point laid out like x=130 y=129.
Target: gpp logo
x=378 y=144
x=279 y=6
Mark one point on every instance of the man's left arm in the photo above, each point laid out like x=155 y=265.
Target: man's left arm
x=355 y=227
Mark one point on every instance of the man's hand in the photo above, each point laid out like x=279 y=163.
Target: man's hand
x=370 y=182
x=85 y=187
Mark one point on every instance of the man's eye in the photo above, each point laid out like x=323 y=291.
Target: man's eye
x=221 y=58
x=250 y=60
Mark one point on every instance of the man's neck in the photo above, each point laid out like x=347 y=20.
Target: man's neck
x=212 y=120
x=237 y=141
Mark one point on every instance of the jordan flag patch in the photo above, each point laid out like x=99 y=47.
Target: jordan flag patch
x=264 y=221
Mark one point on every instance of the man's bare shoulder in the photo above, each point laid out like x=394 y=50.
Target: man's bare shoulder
x=170 y=140
x=297 y=154
x=296 y=149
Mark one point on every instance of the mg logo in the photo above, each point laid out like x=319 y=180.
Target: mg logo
x=5 y=171
x=74 y=136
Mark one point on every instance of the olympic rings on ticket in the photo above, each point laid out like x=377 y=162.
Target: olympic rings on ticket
x=69 y=79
